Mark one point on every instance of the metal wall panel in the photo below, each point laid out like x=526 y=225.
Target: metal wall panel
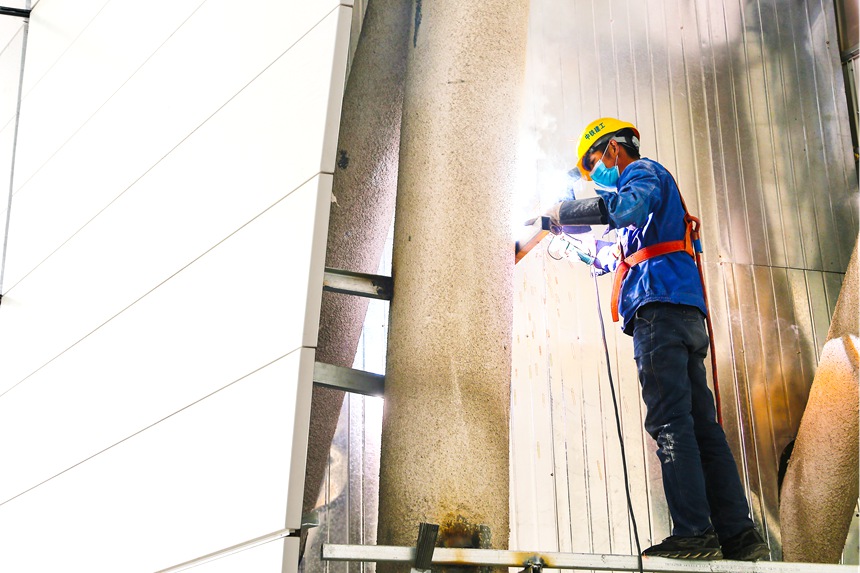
x=13 y=39
x=348 y=502
x=743 y=100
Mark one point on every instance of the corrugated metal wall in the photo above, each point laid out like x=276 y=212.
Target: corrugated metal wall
x=744 y=102
x=348 y=503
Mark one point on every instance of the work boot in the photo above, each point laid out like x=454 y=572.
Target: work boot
x=747 y=545
x=705 y=546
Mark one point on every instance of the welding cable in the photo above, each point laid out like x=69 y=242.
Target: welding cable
x=618 y=427
x=549 y=252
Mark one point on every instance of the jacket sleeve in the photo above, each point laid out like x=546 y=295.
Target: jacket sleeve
x=635 y=200
x=591 y=211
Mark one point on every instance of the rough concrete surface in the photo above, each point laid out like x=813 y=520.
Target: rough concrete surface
x=365 y=184
x=846 y=315
x=445 y=427
x=821 y=483
x=820 y=489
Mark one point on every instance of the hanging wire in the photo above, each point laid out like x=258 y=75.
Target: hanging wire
x=618 y=427
x=614 y=403
x=549 y=250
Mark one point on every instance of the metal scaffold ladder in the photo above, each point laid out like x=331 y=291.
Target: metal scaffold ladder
x=536 y=561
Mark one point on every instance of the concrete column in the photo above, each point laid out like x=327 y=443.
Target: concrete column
x=447 y=398
x=365 y=184
x=820 y=489
x=846 y=315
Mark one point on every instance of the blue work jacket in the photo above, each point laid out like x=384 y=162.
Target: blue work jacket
x=647 y=210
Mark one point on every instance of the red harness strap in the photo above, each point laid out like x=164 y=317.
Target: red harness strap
x=645 y=253
x=691 y=246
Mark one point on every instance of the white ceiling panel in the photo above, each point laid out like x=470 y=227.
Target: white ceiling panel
x=11 y=48
x=264 y=142
x=237 y=164
x=151 y=77
x=59 y=24
x=212 y=476
x=245 y=303
x=276 y=556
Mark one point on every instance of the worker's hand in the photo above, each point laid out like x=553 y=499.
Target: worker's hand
x=553 y=214
x=584 y=246
x=585 y=257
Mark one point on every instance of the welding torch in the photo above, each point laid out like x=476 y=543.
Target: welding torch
x=574 y=216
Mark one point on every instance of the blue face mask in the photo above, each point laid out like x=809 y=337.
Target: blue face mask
x=603 y=175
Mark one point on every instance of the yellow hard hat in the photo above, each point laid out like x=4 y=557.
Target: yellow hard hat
x=592 y=134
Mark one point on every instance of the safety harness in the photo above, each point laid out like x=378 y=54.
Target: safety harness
x=691 y=245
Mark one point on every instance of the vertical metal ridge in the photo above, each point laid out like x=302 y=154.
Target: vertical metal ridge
x=551 y=397
x=772 y=229
x=684 y=114
x=586 y=474
x=635 y=92
x=541 y=337
x=693 y=94
x=788 y=352
x=730 y=109
x=833 y=75
x=780 y=187
x=766 y=412
x=812 y=252
x=607 y=498
x=722 y=233
x=611 y=29
x=798 y=257
x=745 y=429
x=838 y=91
x=755 y=374
x=568 y=531
x=818 y=261
x=740 y=225
x=672 y=164
x=327 y=496
x=772 y=337
x=751 y=181
x=650 y=75
x=351 y=478
x=25 y=27
x=819 y=105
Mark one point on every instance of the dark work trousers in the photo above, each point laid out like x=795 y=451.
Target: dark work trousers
x=700 y=477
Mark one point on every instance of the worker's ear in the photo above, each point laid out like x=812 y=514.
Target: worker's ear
x=616 y=150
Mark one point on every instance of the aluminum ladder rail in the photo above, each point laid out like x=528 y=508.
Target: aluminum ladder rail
x=535 y=561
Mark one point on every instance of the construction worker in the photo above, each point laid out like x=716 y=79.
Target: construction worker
x=662 y=306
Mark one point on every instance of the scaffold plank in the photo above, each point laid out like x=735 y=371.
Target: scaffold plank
x=596 y=562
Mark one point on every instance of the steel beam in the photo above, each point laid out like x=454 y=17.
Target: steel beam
x=239 y=547
x=348 y=379
x=358 y=284
x=596 y=562
x=539 y=229
x=17 y=12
